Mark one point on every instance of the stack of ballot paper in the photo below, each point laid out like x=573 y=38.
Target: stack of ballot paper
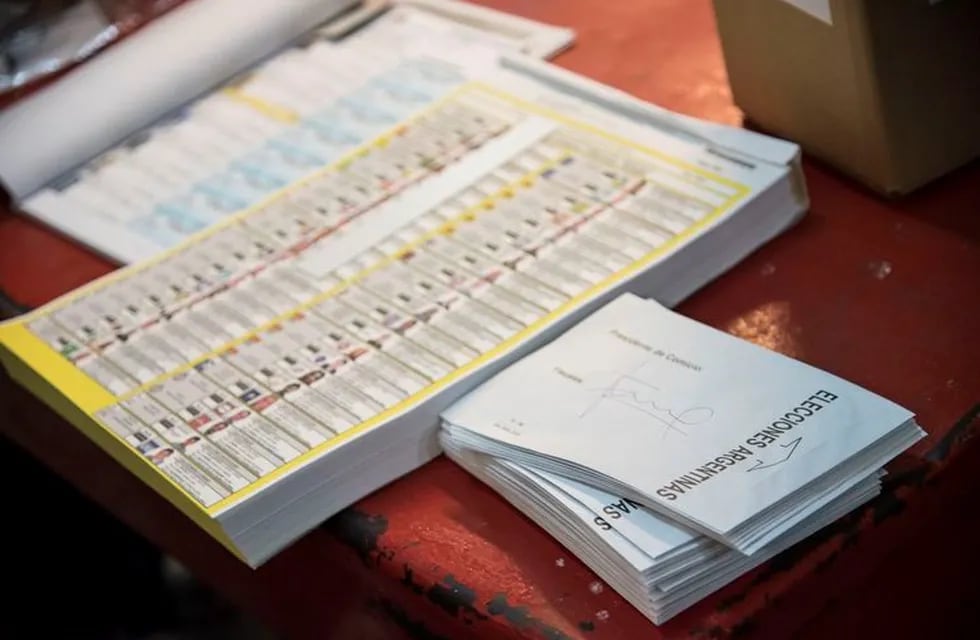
x=359 y=233
x=317 y=99
x=669 y=456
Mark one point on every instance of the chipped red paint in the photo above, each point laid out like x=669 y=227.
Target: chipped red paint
x=438 y=555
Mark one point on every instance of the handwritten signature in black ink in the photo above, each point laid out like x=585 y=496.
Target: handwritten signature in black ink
x=638 y=395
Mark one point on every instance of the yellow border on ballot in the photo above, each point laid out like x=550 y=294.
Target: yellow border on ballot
x=76 y=398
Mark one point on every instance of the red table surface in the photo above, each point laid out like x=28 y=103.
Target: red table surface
x=882 y=293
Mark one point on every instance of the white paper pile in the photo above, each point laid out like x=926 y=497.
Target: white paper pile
x=660 y=567
x=669 y=456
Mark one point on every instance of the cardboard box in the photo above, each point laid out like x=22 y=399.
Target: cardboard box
x=886 y=90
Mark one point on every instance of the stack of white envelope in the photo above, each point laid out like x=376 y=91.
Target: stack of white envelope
x=669 y=456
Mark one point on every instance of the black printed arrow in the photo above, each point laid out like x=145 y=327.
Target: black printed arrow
x=759 y=464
